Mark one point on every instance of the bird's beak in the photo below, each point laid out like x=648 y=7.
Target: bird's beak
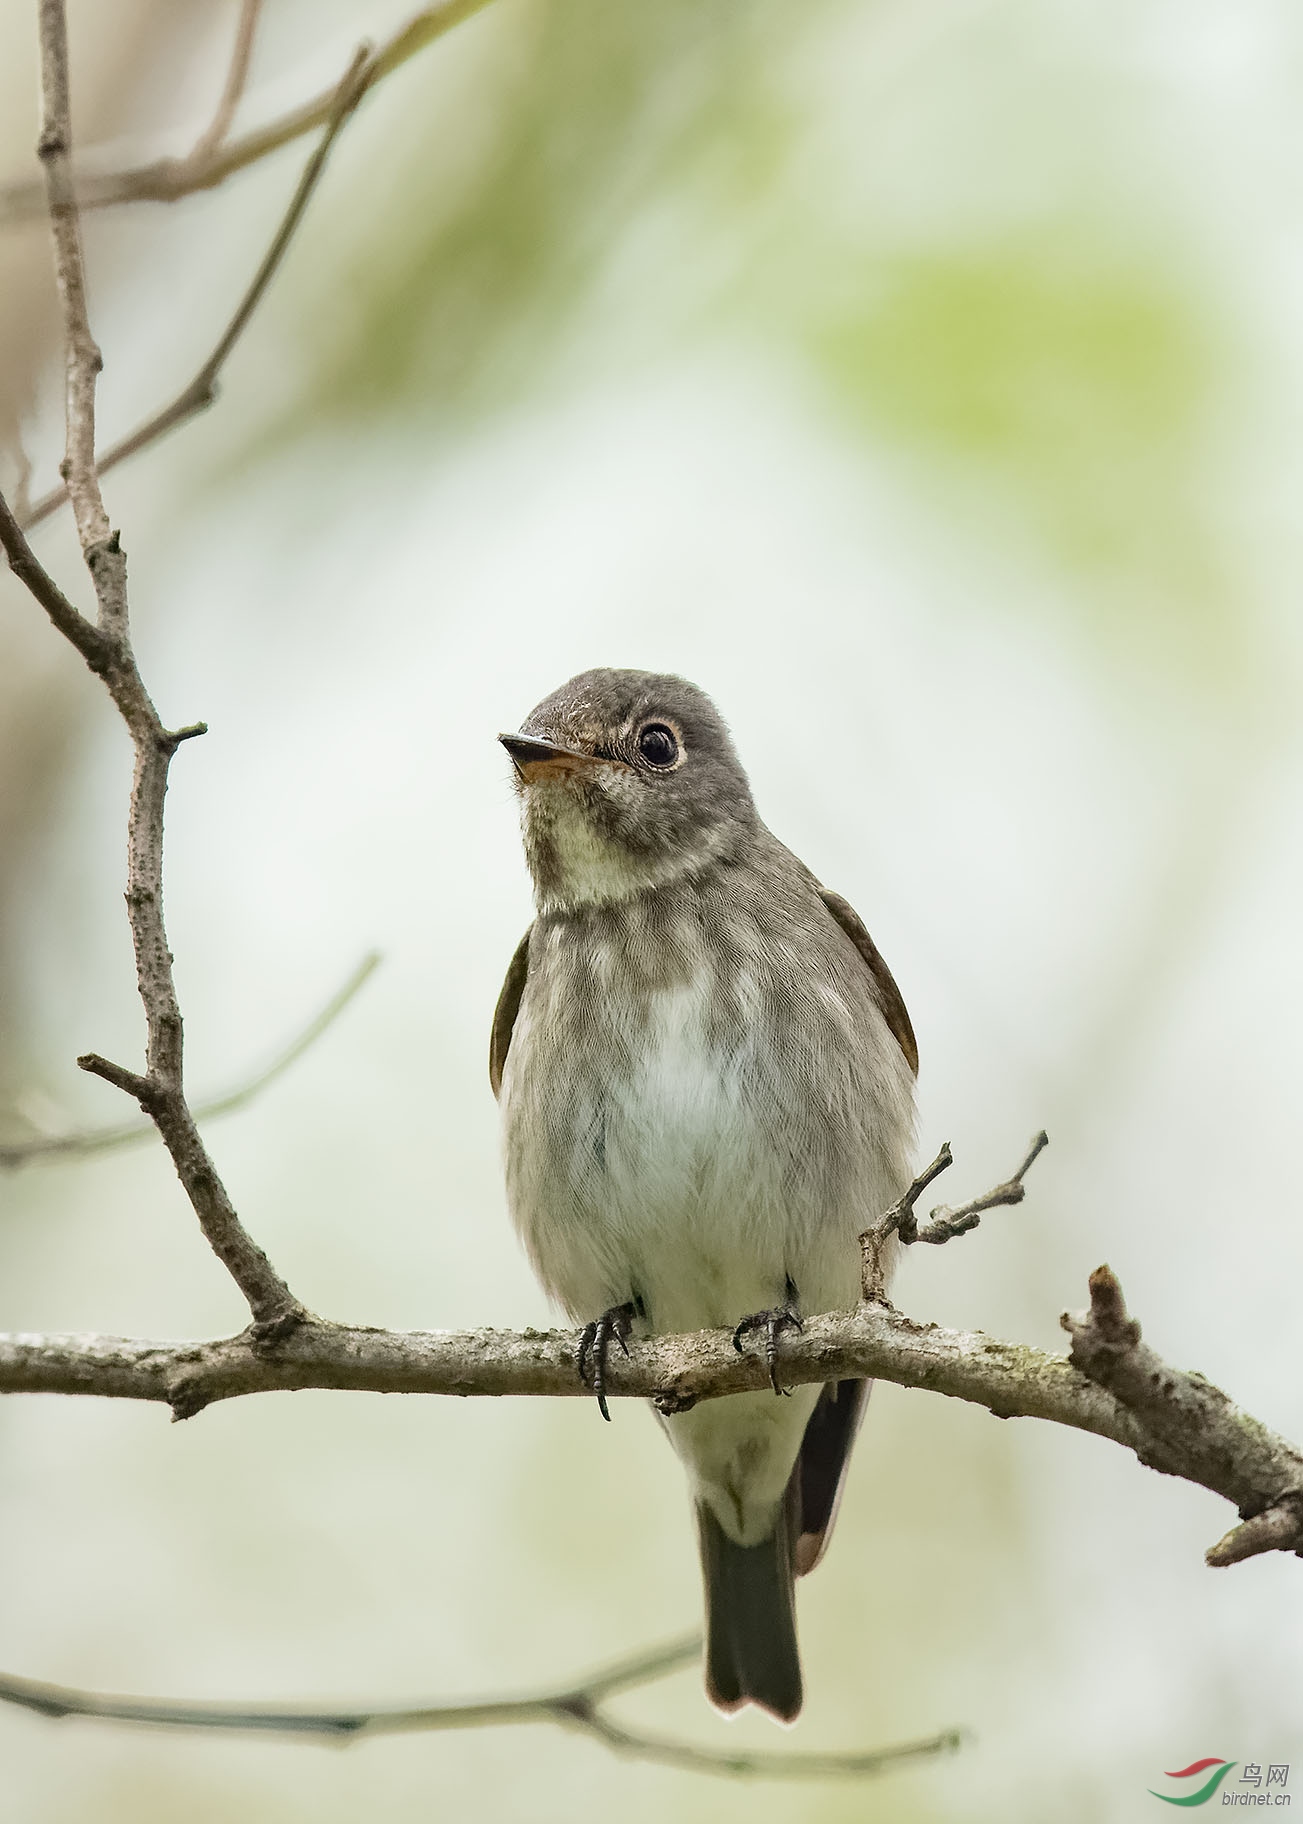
x=534 y=759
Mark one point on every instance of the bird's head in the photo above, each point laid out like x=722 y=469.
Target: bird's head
x=627 y=780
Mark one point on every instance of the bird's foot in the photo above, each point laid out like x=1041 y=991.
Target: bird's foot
x=772 y=1323
x=594 y=1346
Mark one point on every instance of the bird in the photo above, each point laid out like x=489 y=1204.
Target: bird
x=705 y=1073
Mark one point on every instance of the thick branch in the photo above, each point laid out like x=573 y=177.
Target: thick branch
x=1192 y=1428
x=1176 y=1423
x=208 y=165
x=578 y=1708
x=677 y=1372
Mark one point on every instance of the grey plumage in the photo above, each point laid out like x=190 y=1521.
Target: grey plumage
x=706 y=1072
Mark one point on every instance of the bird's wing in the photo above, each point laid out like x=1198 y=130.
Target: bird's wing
x=884 y=986
x=504 y=1014
x=820 y=1468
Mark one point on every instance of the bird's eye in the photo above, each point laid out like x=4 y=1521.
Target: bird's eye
x=657 y=745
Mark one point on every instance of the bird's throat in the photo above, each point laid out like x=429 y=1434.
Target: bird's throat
x=578 y=860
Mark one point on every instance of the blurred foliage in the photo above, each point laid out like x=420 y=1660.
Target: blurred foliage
x=1074 y=376
x=598 y=111
x=600 y=177
x=1041 y=358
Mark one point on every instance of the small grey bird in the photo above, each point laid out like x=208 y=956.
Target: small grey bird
x=706 y=1076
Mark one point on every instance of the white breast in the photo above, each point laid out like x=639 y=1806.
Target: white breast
x=676 y=1176
x=694 y=1114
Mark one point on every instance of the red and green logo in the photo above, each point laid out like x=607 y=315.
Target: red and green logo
x=1202 y=1794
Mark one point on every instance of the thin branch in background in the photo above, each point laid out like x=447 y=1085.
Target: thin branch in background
x=167 y=180
x=577 y=1708
x=202 y=389
x=88 y=1141
x=107 y=649
x=237 y=75
x=93 y=646
x=82 y=359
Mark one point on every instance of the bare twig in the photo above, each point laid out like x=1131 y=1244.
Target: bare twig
x=1190 y=1421
x=1111 y=1386
x=944 y=1223
x=237 y=74
x=578 y=1707
x=166 y=180
x=159 y=1089
x=82 y=361
x=876 y=1241
x=202 y=389
x=93 y=646
x=108 y=1139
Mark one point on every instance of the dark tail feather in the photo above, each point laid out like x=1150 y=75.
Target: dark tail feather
x=821 y=1466
x=751 y=1654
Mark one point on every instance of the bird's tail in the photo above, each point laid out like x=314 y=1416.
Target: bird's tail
x=751 y=1654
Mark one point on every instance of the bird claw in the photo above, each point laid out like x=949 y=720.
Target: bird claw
x=594 y=1346
x=773 y=1323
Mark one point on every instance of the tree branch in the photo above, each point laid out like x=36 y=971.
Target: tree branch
x=82 y=360
x=160 y=1088
x=88 y=1141
x=208 y=165
x=237 y=75
x=578 y=1708
x=876 y=1242
x=202 y=389
x=1191 y=1423
x=1176 y=1423
x=36 y=579
x=944 y=1225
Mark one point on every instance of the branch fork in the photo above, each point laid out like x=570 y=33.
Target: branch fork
x=201 y=391
x=215 y=156
x=944 y=1224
